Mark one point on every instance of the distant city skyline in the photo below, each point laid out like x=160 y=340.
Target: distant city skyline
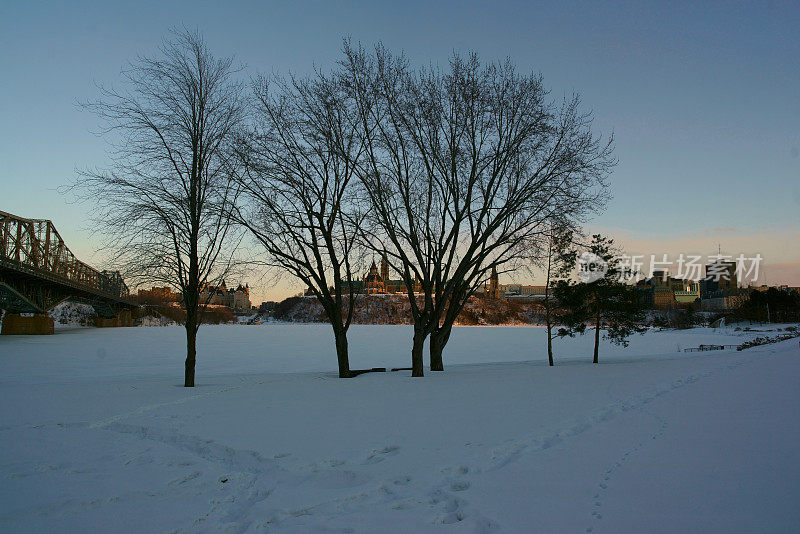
x=703 y=100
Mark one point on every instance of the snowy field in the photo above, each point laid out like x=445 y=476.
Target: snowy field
x=97 y=434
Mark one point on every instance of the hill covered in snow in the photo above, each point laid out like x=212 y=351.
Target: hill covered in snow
x=395 y=309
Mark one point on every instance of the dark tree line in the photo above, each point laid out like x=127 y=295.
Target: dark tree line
x=773 y=305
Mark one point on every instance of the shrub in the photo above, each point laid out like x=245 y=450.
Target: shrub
x=284 y=307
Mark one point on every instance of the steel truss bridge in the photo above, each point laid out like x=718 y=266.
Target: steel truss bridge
x=38 y=271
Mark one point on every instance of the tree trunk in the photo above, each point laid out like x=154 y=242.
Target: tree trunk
x=439 y=339
x=596 y=334
x=191 y=350
x=340 y=335
x=547 y=319
x=417 y=362
x=549 y=324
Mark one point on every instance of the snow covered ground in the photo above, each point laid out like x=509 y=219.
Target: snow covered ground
x=97 y=434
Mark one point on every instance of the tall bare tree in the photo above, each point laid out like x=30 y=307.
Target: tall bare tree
x=559 y=262
x=165 y=203
x=466 y=167
x=300 y=166
x=401 y=199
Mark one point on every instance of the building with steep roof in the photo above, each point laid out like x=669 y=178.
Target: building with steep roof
x=237 y=299
x=373 y=282
x=377 y=282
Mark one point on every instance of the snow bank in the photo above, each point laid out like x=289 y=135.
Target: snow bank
x=73 y=314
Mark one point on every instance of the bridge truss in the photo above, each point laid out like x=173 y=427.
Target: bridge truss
x=38 y=271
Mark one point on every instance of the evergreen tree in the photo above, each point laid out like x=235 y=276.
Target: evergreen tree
x=606 y=302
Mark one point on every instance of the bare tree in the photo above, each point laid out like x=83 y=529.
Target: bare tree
x=394 y=182
x=466 y=168
x=559 y=262
x=300 y=163
x=165 y=203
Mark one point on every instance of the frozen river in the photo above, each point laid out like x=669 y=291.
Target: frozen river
x=97 y=434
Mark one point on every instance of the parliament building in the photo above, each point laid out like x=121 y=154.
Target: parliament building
x=377 y=282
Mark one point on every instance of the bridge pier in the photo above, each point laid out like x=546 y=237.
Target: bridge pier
x=106 y=322
x=123 y=318
x=15 y=324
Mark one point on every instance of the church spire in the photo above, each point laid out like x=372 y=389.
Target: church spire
x=494 y=284
x=384 y=267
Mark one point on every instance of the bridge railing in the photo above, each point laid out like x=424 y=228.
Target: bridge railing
x=35 y=246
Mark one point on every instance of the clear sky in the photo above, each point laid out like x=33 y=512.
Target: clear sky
x=702 y=97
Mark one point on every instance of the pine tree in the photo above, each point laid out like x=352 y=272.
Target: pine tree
x=607 y=303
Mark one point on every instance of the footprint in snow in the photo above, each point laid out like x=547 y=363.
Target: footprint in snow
x=459 y=485
x=380 y=455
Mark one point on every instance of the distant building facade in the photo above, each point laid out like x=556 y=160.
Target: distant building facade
x=157 y=295
x=717 y=291
x=237 y=299
x=494 y=285
x=720 y=279
x=720 y=289
x=511 y=292
x=663 y=292
x=377 y=282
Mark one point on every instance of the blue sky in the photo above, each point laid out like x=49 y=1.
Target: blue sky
x=703 y=98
